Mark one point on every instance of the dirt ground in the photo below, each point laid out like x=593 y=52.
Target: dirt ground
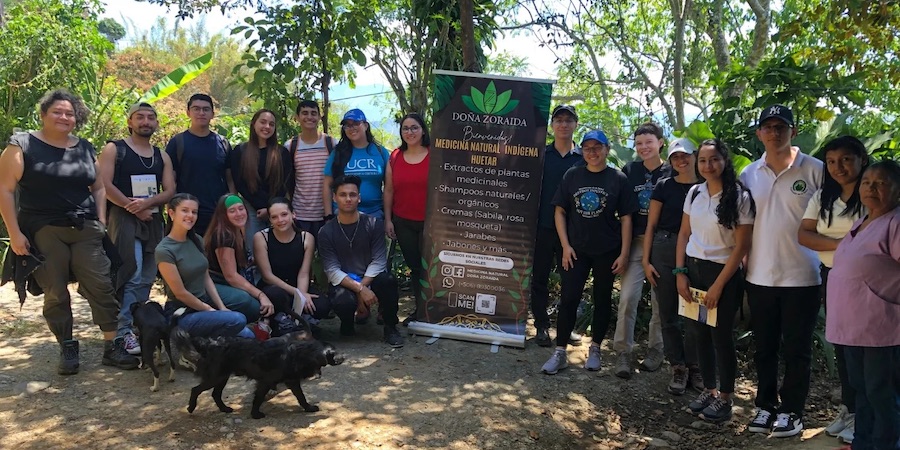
x=448 y=395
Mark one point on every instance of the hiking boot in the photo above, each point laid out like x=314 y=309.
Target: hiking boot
x=68 y=357
x=701 y=402
x=787 y=425
x=762 y=422
x=347 y=328
x=575 y=339
x=593 y=360
x=623 y=365
x=393 y=337
x=653 y=360
x=846 y=436
x=114 y=354
x=542 y=337
x=132 y=345
x=695 y=379
x=679 y=380
x=558 y=361
x=843 y=419
x=717 y=411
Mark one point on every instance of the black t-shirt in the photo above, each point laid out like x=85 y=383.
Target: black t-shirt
x=264 y=193
x=224 y=241
x=671 y=194
x=594 y=201
x=642 y=181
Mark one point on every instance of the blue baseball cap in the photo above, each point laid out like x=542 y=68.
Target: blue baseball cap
x=595 y=135
x=355 y=115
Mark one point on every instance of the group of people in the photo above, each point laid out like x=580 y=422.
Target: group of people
x=789 y=231
x=245 y=225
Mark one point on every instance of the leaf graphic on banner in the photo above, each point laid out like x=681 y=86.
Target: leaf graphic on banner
x=478 y=99
x=470 y=104
x=511 y=106
x=433 y=271
x=525 y=283
x=515 y=274
x=490 y=98
x=424 y=262
x=440 y=294
x=540 y=93
x=425 y=284
x=528 y=270
x=443 y=92
x=513 y=306
x=514 y=294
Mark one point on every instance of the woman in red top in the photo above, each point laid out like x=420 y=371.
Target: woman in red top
x=406 y=182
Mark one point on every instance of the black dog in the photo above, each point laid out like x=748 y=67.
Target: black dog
x=154 y=331
x=288 y=359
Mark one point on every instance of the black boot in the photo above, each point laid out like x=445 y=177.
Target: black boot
x=68 y=357
x=114 y=354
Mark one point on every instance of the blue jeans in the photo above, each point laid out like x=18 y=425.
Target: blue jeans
x=239 y=300
x=215 y=324
x=137 y=288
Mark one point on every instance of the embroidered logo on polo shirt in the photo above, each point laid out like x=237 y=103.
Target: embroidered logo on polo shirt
x=799 y=187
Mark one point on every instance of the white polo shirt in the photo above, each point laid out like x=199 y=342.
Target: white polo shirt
x=776 y=257
x=840 y=224
x=709 y=240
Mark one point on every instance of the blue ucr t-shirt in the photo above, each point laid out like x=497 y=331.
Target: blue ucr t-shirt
x=369 y=164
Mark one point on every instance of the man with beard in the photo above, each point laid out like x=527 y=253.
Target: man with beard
x=133 y=170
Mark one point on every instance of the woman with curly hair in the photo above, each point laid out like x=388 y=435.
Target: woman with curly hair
x=716 y=230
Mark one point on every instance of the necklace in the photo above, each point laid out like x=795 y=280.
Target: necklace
x=152 y=157
x=349 y=239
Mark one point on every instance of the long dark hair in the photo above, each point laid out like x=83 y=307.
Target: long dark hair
x=831 y=190
x=221 y=229
x=172 y=205
x=426 y=138
x=250 y=158
x=344 y=150
x=732 y=188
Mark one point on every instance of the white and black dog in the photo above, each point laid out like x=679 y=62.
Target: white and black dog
x=154 y=332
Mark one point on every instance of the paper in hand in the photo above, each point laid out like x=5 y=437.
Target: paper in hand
x=300 y=298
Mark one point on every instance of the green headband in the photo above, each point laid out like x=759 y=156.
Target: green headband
x=232 y=200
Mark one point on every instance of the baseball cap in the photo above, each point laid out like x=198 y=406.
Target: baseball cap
x=564 y=108
x=355 y=115
x=139 y=107
x=780 y=112
x=682 y=145
x=595 y=135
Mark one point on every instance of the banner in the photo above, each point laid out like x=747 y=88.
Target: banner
x=488 y=136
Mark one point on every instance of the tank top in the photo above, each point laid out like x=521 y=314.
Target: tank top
x=410 y=186
x=285 y=259
x=134 y=171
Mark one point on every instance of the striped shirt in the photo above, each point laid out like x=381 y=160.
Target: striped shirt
x=309 y=165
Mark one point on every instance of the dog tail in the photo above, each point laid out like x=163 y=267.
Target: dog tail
x=182 y=341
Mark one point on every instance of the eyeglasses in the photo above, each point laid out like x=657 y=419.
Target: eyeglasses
x=772 y=129
x=593 y=148
x=351 y=125
x=412 y=129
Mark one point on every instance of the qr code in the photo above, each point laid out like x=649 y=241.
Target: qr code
x=485 y=304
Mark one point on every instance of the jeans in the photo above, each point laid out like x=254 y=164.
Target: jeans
x=629 y=297
x=240 y=301
x=137 y=288
x=875 y=374
x=253 y=225
x=572 y=288
x=715 y=345
x=547 y=254
x=788 y=315
x=344 y=301
x=409 y=236
x=215 y=324
x=680 y=347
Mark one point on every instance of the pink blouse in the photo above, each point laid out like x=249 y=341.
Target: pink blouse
x=864 y=285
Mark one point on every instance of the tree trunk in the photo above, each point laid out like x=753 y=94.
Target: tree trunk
x=326 y=103
x=680 y=12
x=467 y=38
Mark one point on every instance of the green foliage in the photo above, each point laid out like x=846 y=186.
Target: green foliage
x=111 y=29
x=177 y=78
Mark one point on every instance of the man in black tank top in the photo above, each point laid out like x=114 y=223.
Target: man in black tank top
x=133 y=171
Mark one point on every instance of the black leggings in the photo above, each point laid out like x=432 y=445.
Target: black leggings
x=715 y=345
x=572 y=287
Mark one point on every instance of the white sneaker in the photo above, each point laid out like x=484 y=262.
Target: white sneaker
x=132 y=345
x=840 y=422
x=558 y=361
x=787 y=425
x=846 y=436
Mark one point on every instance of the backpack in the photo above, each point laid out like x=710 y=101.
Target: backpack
x=179 y=149
x=295 y=142
x=121 y=149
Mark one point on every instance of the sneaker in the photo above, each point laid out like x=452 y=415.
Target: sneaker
x=679 y=380
x=717 y=411
x=542 y=337
x=593 y=360
x=347 y=328
x=701 y=402
x=695 y=379
x=787 y=425
x=393 y=337
x=846 y=436
x=558 y=361
x=68 y=357
x=623 y=365
x=575 y=338
x=843 y=419
x=653 y=360
x=114 y=354
x=762 y=422
x=132 y=345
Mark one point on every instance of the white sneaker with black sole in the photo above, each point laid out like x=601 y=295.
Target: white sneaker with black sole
x=762 y=422
x=787 y=425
